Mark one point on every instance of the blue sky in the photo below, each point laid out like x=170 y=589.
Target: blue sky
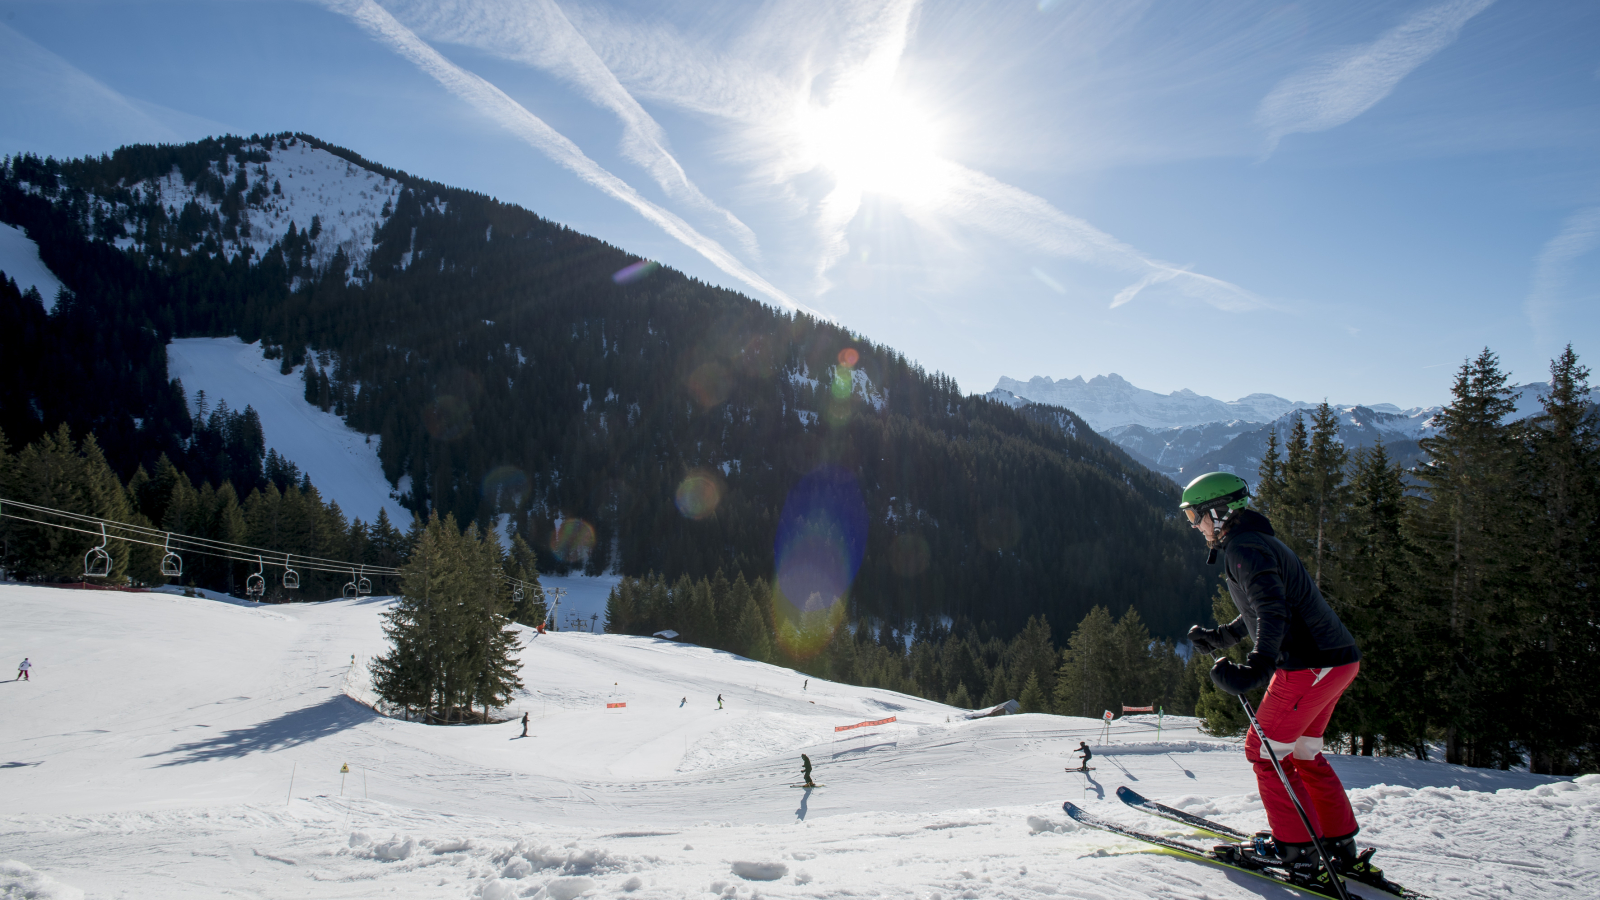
x=1334 y=200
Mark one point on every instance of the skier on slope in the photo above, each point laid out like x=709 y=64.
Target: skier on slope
x=1303 y=655
x=22 y=670
x=805 y=771
x=1083 y=747
x=719 y=701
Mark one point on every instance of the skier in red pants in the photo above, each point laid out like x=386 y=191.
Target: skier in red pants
x=1306 y=658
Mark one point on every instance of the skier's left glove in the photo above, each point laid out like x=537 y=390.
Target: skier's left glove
x=1235 y=679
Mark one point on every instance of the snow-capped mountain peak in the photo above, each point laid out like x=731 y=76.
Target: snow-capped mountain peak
x=1107 y=401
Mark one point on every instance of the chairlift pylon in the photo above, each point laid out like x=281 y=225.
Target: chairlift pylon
x=97 y=562
x=172 y=563
x=256 y=585
x=291 y=578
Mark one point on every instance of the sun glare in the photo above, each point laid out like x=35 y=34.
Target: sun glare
x=877 y=143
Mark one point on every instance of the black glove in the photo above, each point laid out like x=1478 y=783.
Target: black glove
x=1232 y=678
x=1206 y=640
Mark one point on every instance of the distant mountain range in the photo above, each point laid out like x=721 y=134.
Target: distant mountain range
x=1184 y=434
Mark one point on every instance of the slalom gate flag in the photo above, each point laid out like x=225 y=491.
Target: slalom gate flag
x=838 y=728
x=615 y=705
x=1127 y=709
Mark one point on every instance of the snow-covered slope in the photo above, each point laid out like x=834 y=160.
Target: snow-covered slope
x=19 y=260
x=297 y=184
x=153 y=753
x=342 y=462
x=1105 y=401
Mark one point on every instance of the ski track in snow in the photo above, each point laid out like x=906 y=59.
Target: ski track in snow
x=152 y=753
x=342 y=462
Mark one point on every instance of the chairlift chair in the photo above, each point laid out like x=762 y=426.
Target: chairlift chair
x=363 y=586
x=291 y=578
x=351 y=589
x=256 y=585
x=97 y=562
x=172 y=563
x=517 y=595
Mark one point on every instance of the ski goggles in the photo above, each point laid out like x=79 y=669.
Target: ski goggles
x=1195 y=514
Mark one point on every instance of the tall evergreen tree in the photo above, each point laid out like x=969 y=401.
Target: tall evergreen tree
x=1559 y=643
x=1466 y=534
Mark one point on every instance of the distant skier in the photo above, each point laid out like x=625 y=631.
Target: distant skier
x=524 y=724
x=805 y=771
x=1303 y=655
x=22 y=670
x=806 y=686
x=719 y=701
x=1083 y=748
x=682 y=702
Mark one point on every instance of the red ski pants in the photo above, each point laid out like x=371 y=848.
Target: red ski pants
x=1294 y=714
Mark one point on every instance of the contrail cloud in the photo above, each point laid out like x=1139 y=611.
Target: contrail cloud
x=495 y=104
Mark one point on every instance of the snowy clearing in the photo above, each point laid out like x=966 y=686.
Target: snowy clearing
x=19 y=260
x=153 y=751
x=342 y=462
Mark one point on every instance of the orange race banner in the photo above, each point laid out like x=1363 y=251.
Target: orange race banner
x=1138 y=709
x=863 y=724
x=615 y=705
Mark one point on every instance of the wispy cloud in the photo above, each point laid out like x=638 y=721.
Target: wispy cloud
x=40 y=85
x=537 y=33
x=1346 y=84
x=1022 y=218
x=495 y=104
x=1552 y=272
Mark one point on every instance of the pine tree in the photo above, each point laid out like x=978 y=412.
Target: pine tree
x=1033 y=699
x=1561 y=616
x=1466 y=533
x=959 y=698
x=1325 y=494
x=522 y=565
x=1085 y=681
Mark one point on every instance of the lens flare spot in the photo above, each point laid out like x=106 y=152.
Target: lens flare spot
x=822 y=535
x=507 y=483
x=699 y=493
x=447 y=418
x=844 y=380
x=710 y=385
x=849 y=357
x=636 y=272
x=572 y=540
x=909 y=555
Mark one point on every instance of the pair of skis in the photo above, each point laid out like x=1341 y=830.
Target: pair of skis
x=1193 y=851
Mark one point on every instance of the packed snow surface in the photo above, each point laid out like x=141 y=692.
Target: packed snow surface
x=186 y=747
x=342 y=462
x=19 y=260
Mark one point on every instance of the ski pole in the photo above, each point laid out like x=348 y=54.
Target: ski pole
x=1327 y=861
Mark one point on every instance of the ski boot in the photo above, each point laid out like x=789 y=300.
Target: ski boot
x=1300 y=863
x=1358 y=866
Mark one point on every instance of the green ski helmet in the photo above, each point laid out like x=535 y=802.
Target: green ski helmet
x=1216 y=493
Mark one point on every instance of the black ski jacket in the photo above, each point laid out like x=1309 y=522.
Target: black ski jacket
x=1279 y=605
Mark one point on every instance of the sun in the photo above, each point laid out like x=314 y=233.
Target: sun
x=874 y=142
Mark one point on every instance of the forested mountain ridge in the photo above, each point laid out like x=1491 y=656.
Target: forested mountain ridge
x=618 y=415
